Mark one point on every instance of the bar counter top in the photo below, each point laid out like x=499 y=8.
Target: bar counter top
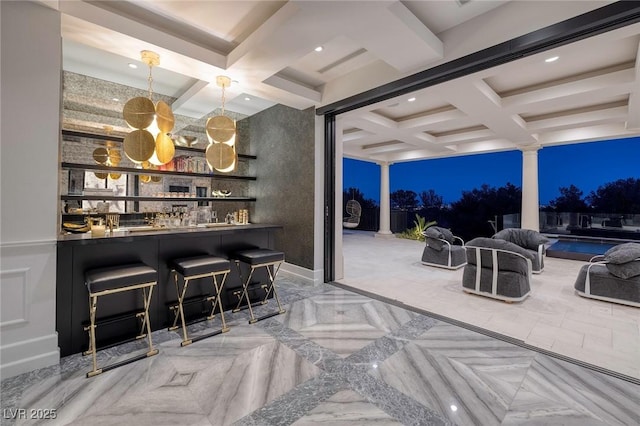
x=137 y=232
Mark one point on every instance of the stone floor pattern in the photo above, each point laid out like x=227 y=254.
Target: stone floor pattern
x=335 y=357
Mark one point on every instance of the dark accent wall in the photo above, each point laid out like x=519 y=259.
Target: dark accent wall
x=283 y=140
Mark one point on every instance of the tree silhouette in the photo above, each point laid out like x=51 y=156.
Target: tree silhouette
x=404 y=200
x=430 y=199
x=471 y=214
x=570 y=200
x=620 y=196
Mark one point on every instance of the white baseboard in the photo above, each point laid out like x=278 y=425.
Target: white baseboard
x=16 y=359
x=314 y=277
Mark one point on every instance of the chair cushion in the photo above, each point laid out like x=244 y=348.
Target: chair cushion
x=258 y=256
x=625 y=270
x=189 y=266
x=116 y=277
x=526 y=238
x=623 y=253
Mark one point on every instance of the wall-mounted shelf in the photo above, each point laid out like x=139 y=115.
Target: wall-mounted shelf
x=138 y=198
x=72 y=133
x=131 y=170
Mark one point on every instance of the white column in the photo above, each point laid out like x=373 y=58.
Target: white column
x=530 y=217
x=31 y=67
x=385 y=203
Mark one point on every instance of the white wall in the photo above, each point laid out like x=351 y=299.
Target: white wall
x=31 y=62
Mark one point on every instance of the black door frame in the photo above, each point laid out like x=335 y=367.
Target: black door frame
x=607 y=18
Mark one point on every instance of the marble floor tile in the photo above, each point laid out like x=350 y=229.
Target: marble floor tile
x=466 y=377
x=346 y=407
x=558 y=392
x=343 y=321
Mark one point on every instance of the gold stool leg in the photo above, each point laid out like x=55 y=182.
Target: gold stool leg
x=176 y=311
x=185 y=340
x=245 y=294
x=218 y=300
x=92 y=336
x=272 y=279
x=147 y=303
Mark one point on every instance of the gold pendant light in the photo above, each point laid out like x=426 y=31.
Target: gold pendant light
x=150 y=140
x=221 y=131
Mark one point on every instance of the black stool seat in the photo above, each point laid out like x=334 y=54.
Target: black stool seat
x=190 y=266
x=258 y=256
x=117 y=277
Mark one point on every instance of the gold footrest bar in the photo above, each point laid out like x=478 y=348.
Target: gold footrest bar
x=121 y=363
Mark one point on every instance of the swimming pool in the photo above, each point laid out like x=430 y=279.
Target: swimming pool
x=578 y=250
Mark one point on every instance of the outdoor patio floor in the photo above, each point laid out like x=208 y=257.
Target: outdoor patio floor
x=553 y=318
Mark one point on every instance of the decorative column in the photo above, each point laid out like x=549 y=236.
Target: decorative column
x=385 y=202
x=530 y=217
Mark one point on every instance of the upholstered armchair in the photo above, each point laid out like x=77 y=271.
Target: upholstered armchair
x=497 y=269
x=443 y=249
x=530 y=240
x=612 y=277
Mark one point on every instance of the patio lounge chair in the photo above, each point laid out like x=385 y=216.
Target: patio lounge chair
x=440 y=249
x=530 y=240
x=497 y=269
x=612 y=277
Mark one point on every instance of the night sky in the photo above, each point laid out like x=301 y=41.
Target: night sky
x=585 y=165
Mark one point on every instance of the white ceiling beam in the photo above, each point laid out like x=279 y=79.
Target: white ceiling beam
x=187 y=96
x=602 y=116
x=428 y=120
x=163 y=40
x=293 y=87
x=466 y=137
x=586 y=134
x=409 y=36
x=633 y=121
x=479 y=102
x=606 y=85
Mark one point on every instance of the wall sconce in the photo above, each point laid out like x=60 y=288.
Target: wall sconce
x=221 y=131
x=150 y=140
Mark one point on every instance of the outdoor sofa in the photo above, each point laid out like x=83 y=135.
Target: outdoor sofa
x=498 y=269
x=612 y=277
x=443 y=249
x=528 y=239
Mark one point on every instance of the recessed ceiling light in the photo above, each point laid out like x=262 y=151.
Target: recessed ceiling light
x=131 y=65
x=246 y=98
x=319 y=49
x=453 y=408
x=552 y=59
x=115 y=99
x=411 y=99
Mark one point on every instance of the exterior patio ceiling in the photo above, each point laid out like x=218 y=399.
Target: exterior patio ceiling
x=267 y=48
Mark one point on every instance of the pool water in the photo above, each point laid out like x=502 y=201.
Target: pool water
x=587 y=247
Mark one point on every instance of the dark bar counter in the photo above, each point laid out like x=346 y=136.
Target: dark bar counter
x=77 y=253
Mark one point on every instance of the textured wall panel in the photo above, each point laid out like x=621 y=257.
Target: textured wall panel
x=283 y=140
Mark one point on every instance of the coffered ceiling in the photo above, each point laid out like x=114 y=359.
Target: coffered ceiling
x=267 y=47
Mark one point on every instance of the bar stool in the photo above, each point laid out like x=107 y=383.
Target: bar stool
x=192 y=268
x=254 y=259
x=112 y=280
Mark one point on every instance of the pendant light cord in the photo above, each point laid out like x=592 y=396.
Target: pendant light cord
x=150 y=80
